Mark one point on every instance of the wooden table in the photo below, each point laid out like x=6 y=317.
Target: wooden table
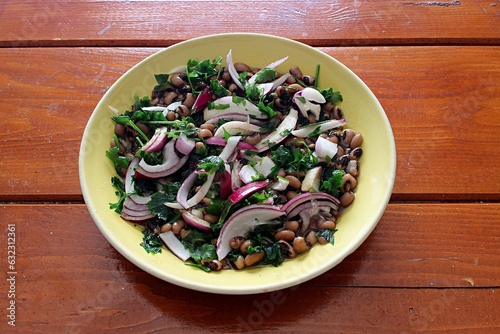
x=431 y=265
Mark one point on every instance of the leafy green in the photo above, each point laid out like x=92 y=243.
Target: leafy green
x=215 y=206
x=217 y=89
x=332 y=181
x=327 y=234
x=199 y=245
x=212 y=164
x=331 y=95
x=151 y=242
x=119 y=161
x=162 y=80
x=265 y=75
x=157 y=207
x=201 y=71
x=120 y=192
x=126 y=120
x=292 y=158
x=140 y=103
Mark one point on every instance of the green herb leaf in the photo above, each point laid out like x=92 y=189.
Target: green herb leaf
x=265 y=75
x=331 y=95
x=151 y=242
x=332 y=181
x=212 y=164
x=327 y=234
x=120 y=192
x=157 y=207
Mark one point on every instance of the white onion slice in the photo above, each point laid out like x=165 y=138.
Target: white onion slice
x=175 y=245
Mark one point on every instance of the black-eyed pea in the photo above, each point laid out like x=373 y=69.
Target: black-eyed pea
x=347 y=198
x=176 y=80
x=240 y=262
x=286 y=235
x=171 y=116
x=120 y=130
x=183 y=111
x=204 y=134
x=214 y=265
x=349 y=182
x=326 y=225
x=292 y=225
x=347 y=136
x=291 y=194
x=169 y=97
x=308 y=80
x=242 y=67
x=236 y=242
x=244 y=245
x=178 y=226
x=210 y=218
x=311 y=238
x=253 y=258
x=296 y=72
x=355 y=153
x=337 y=112
x=166 y=228
x=300 y=245
x=357 y=140
x=208 y=126
x=189 y=100
x=294 y=182
x=352 y=168
x=287 y=249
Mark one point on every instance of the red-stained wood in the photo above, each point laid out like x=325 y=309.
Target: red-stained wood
x=442 y=102
x=319 y=23
x=426 y=267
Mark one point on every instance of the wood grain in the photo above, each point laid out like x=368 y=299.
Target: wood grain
x=445 y=274
x=319 y=23
x=442 y=103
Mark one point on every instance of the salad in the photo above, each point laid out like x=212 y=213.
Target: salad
x=233 y=166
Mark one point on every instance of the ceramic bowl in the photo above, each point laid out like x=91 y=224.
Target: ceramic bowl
x=362 y=111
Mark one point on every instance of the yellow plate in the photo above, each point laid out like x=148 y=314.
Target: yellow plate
x=362 y=111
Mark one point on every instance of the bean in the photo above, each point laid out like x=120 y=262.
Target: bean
x=352 y=168
x=236 y=242
x=144 y=128
x=253 y=258
x=326 y=225
x=169 y=97
x=183 y=111
x=340 y=151
x=291 y=194
x=112 y=143
x=242 y=67
x=208 y=126
x=347 y=198
x=226 y=76
x=240 y=262
x=333 y=139
x=183 y=233
x=176 y=80
x=356 y=153
x=287 y=249
x=291 y=80
x=177 y=226
x=296 y=72
x=293 y=181
x=347 y=136
x=311 y=238
x=244 y=245
x=232 y=87
x=204 y=134
x=282 y=172
x=199 y=145
x=210 y=218
x=166 y=228
x=120 y=130
x=308 y=80
x=286 y=235
x=189 y=100
x=357 y=140
x=214 y=265
x=343 y=161
x=196 y=212
x=300 y=245
x=253 y=139
x=171 y=116
x=312 y=118
x=349 y=182
x=292 y=225
x=337 y=112
x=294 y=88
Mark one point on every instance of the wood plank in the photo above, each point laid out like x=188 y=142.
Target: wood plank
x=161 y=23
x=414 y=245
x=442 y=102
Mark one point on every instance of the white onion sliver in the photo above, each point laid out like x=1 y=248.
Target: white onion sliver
x=129 y=181
x=175 y=245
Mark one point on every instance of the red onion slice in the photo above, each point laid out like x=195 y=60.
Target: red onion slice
x=184 y=144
